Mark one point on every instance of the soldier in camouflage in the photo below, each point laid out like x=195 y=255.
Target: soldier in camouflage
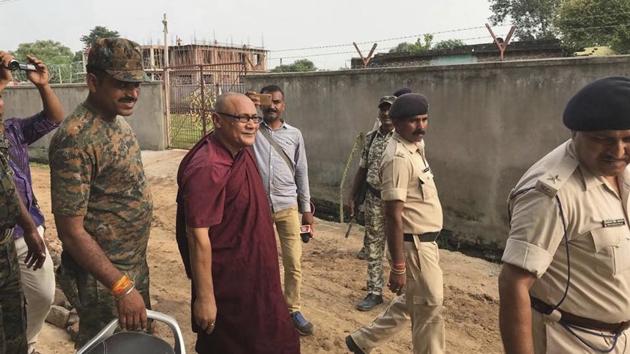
x=368 y=175
x=100 y=195
x=12 y=212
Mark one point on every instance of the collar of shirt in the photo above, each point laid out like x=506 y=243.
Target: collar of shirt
x=283 y=126
x=381 y=134
x=411 y=146
x=590 y=180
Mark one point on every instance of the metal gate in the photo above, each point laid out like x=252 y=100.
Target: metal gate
x=193 y=90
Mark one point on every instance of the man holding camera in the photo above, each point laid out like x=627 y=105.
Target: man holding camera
x=12 y=212
x=100 y=195
x=281 y=158
x=38 y=286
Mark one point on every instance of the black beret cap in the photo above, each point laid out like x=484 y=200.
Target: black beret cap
x=402 y=91
x=409 y=105
x=601 y=105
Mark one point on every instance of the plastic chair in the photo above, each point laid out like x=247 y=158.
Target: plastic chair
x=108 y=342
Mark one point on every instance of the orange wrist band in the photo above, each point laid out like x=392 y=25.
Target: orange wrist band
x=121 y=286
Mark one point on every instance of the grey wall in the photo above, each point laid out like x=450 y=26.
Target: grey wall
x=488 y=123
x=147 y=120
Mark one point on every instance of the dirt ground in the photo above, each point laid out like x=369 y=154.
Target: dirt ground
x=333 y=280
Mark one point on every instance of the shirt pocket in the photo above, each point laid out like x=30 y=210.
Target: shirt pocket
x=427 y=186
x=612 y=248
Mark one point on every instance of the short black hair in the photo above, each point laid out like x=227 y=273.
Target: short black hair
x=272 y=89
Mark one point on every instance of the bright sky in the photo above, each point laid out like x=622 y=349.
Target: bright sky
x=281 y=24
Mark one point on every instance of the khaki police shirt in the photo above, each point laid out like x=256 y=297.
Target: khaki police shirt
x=406 y=176
x=597 y=230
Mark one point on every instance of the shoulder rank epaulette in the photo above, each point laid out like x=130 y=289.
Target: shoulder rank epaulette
x=401 y=152
x=553 y=180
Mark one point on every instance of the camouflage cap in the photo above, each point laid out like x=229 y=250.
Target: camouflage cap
x=386 y=99
x=119 y=57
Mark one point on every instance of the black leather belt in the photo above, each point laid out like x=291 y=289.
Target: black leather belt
x=579 y=321
x=425 y=237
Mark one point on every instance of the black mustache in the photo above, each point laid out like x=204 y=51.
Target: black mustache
x=420 y=131
x=127 y=99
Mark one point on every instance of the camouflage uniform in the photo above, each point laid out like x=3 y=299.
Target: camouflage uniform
x=12 y=314
x=374 y=240
x=96 y=171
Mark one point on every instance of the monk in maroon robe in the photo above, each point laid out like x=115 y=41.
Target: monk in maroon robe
x=227 y=242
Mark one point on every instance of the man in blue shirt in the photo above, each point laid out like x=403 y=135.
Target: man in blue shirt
x=38 y=285
x=281 y=159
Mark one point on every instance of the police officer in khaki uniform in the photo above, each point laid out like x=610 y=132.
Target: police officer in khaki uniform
x=413 y=221
x=565 y=284
x=12 y=211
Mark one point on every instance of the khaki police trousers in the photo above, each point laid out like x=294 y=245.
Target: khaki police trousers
x=288 y=223
x=551 y=337
x=422 y=300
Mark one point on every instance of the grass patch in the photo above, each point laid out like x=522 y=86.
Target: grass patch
x=186 y=130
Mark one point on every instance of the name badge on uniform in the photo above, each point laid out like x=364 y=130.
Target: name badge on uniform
x=427 y=173
x=613 y=222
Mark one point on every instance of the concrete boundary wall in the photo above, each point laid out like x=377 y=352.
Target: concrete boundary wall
x=147 y=120
x=488 y=123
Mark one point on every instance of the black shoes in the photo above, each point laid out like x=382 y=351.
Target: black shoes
x=303 y=326
x=352 y=346
x=370 y=301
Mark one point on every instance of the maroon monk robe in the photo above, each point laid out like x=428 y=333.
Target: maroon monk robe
x=226 y=194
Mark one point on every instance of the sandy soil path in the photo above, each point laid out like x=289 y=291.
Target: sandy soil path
x=334 y=280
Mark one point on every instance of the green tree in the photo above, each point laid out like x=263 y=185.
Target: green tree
x=50 y=52
x=302 y=65
x=96 y=33
x=55 y=55
x=449 y=44
x=588 y=23
x=414 y=48
x=533 y=19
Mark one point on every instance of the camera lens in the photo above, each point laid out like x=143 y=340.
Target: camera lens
x=14 y=65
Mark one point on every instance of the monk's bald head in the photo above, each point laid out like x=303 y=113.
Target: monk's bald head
x=227 y=102
x=231 y=131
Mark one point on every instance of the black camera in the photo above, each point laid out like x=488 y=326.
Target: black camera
x=16 y=65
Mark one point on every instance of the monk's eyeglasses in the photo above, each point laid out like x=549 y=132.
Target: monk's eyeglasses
x=243 y=118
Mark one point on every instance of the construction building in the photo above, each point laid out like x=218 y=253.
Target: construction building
x=221 y=62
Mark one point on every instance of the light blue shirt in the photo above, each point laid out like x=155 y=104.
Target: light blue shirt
x=283 y=188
